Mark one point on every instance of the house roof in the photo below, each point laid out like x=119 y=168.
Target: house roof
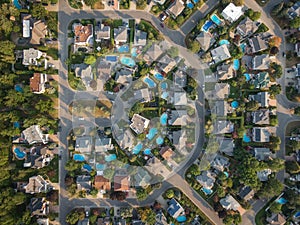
x=102 y=32
x=167 y=63
x=223 y=127
x=232 y=12
x=261 y=134
x=221 y=108
x=166 y=152
x=174 y=209
x=294 y=11
x=121 y=183
x=207 y=179
x=261 y=80
x=37 y=82
x=247 y=27
x=83 y=144
x=83 y=182
x=124 y=76
x=140 y=38
x=38 y=207
x=220 y=163
x=276 y=219
x=39 y=31
x=30 y=56
x=246 y=193
x=120 y=34
x=230 y=203
x=103 y=144
x=220 y=53
x=221 y=91
x=262 y=98
x=178 y=118
x=180 y=98
x=142 y=177
x=261 y=62
x=176 y=8
x=180 y=78
x=257 y=44
x=226 y=146
x=206 y=40
x=143 y=95
x=153 y=53
x=263 y=175
x=36 y=184
x=102 y=183
x=179 y=139
x=262 y=153
x=126 y=138
x=139 y=123
x=225 y=71
x=261 y=117
x=82 y=33
x=33 y=134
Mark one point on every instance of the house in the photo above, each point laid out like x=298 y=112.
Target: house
x=220 y=53
x=37 y=184
x=262 y=154
x=140 y=38
x=153 y=53
x=232 y=13
x=37 y=83
x=103 y=221
x=103 y=144
x=166 y=64
x=261 y=62
x=85 y=221
x=207 y=179
x=225 y=71
x=257 y=44
x=246 y=193
x=102 y=184
x=143 y=95
x=175 y=209
x=178 y=118
x=180 y=79
x=247 y=27
x=223 y=127
x=229 y=203
x=34 y=135
x=176 y=8
x=263 y=175
x=83 y=71
x=276 y=219
x=221 y=108
x=142 y=178
x=39 y=207
x=220 y=163
x=83 y=183
x=83 y=35
x=206 y=40
x=43 y=221
x=126 y=138
x=166 y=152
x=180 y=98
x=120 y=35
x=294 y=11
x=262 y=98
x=84 y=144
x=103 y=73
x=38 y=158
x=31 y=57
x=260 y=134
x=226 y=146
x=124 y=76
x=261 y=117
x=139 y=123
x=121 y=183
x=26 y=28
x=179 y=139
x=102 y=32
x=261 y=80
x=39 y=31
x=221 y=91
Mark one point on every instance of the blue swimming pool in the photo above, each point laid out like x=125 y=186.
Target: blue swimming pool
x=78 y=157
x=165 y=95
x=206 y=191
x=16 y=125
x=208 y=24
x=181 y=219
x=87 y=167
x=134 y=52
x=136 y=150
x=246 y=138
x=123 y=49
x=243 y=47
x=226 y=174
x=19 y=154
x=149 y=82
x=216 y=19
x=224 y=42
x=195 y=1
x=18 y=88
x=190 y=5
x=159 y=76
x=164 y=85
x=236 y=64
x=110 y=157
x=297 y=214
x=100 y=167
x=152 y=133
x=111 y=58
x=147 y=151
x=163 y=119
x=281 y=201
x=248 y=77
x=234 y=104
x=17 y=4
x=127 y=61
x=159 y=140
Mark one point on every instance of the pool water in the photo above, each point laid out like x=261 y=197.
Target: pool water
x=87 y=167
x=216 y=19
x=147 y=151
x=248 y=77
x=149 y=82
x=16 y=125
x=134 y=52
x=224 y=42
x=123 y=49
x=17 y=4
x=234 y=104
x=78 y=157
x=110 y=157
x=164 y=85
x=297 y=214
x=136 y=150
x=206 y=191
x=19 y=154
x=195 y=1
x=165 y=95
x=152 y=133
x=127 y=61
x=243 y=47
x=226 y=174
x=236 y=64
x=246 y=138
x=163 y=119
x=159 y=76
x=281 y=201
x=111 y=58
x=208 y=24
x=18 y=88
x=100 y=167
x=190 y=5
x=181 y=219
x=159 y=140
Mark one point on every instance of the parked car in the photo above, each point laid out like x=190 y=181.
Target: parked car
x=162 y=17
x=162 y=25
x=283 y=54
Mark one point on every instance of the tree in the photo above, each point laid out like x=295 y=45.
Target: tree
x=94 y=192
x=173 y=52
x=169 y=193
x=276 y=164
x=90 y=2
x=297 y=111
x=262 y=28
x=253 y=15
x=141 y=194
x=236 y=52
x=90 y=59
x=238 y=2
x=276 y=70
x=275 y=89
x=252 y=106
x=295 y=23
x=275 y=41
x=7 y=49
x=271 y=188
x=221 y=192
x=71 y=166
x=275 y=208
x=292 y=167
x=195 y=170
x=72 y=218
x=194 y=46
x=147 y=215
x=38 y=11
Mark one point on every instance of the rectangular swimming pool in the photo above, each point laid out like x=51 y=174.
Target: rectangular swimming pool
x=208 y=24
x=216 y=19
x=111 y=58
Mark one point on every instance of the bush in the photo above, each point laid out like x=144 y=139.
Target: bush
x=262 y=28
x=90 y=59
x=253 y=15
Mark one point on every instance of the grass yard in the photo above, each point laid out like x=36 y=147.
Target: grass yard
x=98 y=5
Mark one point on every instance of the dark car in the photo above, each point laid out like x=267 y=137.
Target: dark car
x=283 y=54
x=162 y=25
x=162 y=17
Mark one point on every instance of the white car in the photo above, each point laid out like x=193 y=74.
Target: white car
x=81 y=118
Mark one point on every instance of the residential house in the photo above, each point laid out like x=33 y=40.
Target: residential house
x=180 y=98
x=175 y=209
x=153 y=53
x=262 y=98
x=103 y=221
x=262 y=154
x=206 y=40
x=221 y=108
x=85 y=221
x=102 y=32
x=84 y=183
x=220 y=53
x=103 y=144
x=260 y=134
x=166 y=152
x=263 y=175
x=38 y=32
x=38 y=158
x=179 y=139
x=84 y=144
x=207 y=179
x=34 y=135
x=294 y=11
x=221 y=91
x=124 y=76
x=178 y=118
x=261 y=117
x=37 y=184
x=166 y=64
x=83 y=35
x=229 y=203
x=102 y=184
x=220 y=163
x=223 y=127
x=126 y=138
x=39 y=207
x=103 y=73
x=143 y=95
x=142 y=178
x=277 y=219
x=226 y=146
x=120 y=35
x=140 y=38
x=225 y=71
x=232 y=13
x=257 y=44
x=121 y=183
x=176 y=8
x=37 y=83
x=31 y=57
x=246 y=193
x=261 y=62
x=180 y=79
x=247 y=27
x=261 y=80
x=83 y=71
x=139 y=123
x=43 y=221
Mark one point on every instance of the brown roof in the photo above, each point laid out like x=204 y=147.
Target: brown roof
x=166 y=152
x=276 y=219
x=82 y=33
x=35 y=82
x=102 y=183
x=39 y=31
x=121 y=183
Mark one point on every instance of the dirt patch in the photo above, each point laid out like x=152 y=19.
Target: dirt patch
x=98 y=5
